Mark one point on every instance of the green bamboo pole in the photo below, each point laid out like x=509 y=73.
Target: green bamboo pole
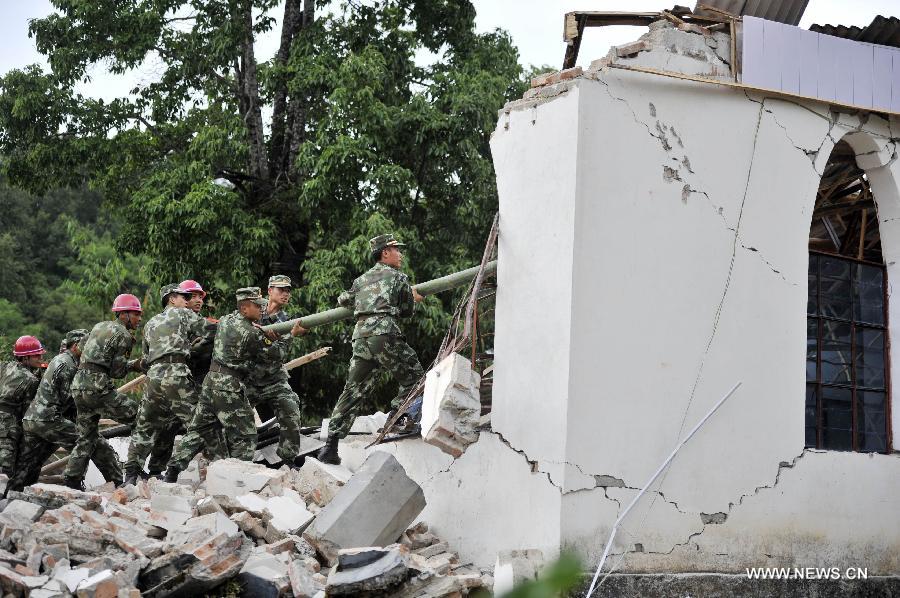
x=438 y=285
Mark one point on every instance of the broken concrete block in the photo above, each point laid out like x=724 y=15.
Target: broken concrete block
x=52 y=496
x=323 y=430
x=70 y=577
x=632 y=48
x=52 y=554
x=12 y=583
x=286 y=516
x=368 y=424
x=433 y=550
x=19 y=510
x=320 y=482
x=432 y=586
x=368 y=570
x=199 y=528
x=102 y=585
x=208 y=505
x=4 y=482
x=264 y=575
x=249 y=524
x=451 y=405
x=373 y=508
x=303 y=584
x=171 y=505
x=267 y=454
x=251 y=503
x=232 y=477
x=514 y=567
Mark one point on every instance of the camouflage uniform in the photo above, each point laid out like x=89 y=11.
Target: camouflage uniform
x=48 y=423
x=378 y=298
x=170 y=395
x=198 y=362
x=268 y=385
x=104 y=357
x=223 y=402
x=18 y=383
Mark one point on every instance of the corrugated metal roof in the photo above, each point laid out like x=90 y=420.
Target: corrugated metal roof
x=883 y=30
x=782 y=11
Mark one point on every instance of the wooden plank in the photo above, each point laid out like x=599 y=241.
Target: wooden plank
x=863 y=61
x=752 y=51
x=317 y=354
x=756 y=88
x=881 y=77
x=828 y=50
x=790 y=66
x=809 y=63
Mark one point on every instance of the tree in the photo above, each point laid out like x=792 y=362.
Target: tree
x=362 y=139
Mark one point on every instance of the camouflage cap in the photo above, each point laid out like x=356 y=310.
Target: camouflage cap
x=250 y=294
x=381 y=241
x=168 y=289
x=280 y=280
x=75 y=336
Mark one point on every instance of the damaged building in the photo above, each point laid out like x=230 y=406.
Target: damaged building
x=715 y=203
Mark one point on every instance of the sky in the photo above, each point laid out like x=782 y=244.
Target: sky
x=535 y=25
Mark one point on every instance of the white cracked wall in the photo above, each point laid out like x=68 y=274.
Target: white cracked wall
x=653 y=252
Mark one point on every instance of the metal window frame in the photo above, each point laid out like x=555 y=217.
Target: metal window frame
x=853 y=387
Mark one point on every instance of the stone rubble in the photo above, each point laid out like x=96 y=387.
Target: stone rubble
x=307 y=533
x=451 y=405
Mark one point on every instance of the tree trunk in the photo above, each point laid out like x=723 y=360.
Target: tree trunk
x=293 y=18
x=252 y=111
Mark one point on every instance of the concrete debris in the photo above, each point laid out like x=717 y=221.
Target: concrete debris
x=451 y=406
x=232 y=477
x=369 y=424
x=514 y=567
x=264 y=575
x=373 y=509
x=303 y=584
x=270 y=530
x=320 y=482
x=368 y=570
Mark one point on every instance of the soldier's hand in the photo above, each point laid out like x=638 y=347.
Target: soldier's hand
x=298 y=330
x=417 y=297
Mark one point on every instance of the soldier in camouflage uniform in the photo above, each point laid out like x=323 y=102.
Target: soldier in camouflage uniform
x=199 y=361
x=104 y=357
x=239 y=343
x=49 y=422
x=169 y=393
x=18 y=384
x=268 y=382
x=378 y=298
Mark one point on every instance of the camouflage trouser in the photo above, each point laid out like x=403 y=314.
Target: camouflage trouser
x=286 y=405
x=369 y=353
x=42 y=438
x=10 y=438
x=223 y=405
x=169 y=401
x=95 y=400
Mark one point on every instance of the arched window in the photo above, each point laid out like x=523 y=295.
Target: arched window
x=847 y=347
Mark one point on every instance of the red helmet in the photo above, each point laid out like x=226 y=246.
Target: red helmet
x=127 y=302
x=28 y=345
x=191 y=286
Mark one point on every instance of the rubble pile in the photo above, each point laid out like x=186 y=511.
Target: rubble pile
x=314 y=532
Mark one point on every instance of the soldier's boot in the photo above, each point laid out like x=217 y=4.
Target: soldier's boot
x=329 y=452
x=154 y=473
x=297 y=462
x=172 y=474
x=131 y=475
x=74 y=483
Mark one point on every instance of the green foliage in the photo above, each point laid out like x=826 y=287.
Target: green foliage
x=362 y=140
x=555 y=582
